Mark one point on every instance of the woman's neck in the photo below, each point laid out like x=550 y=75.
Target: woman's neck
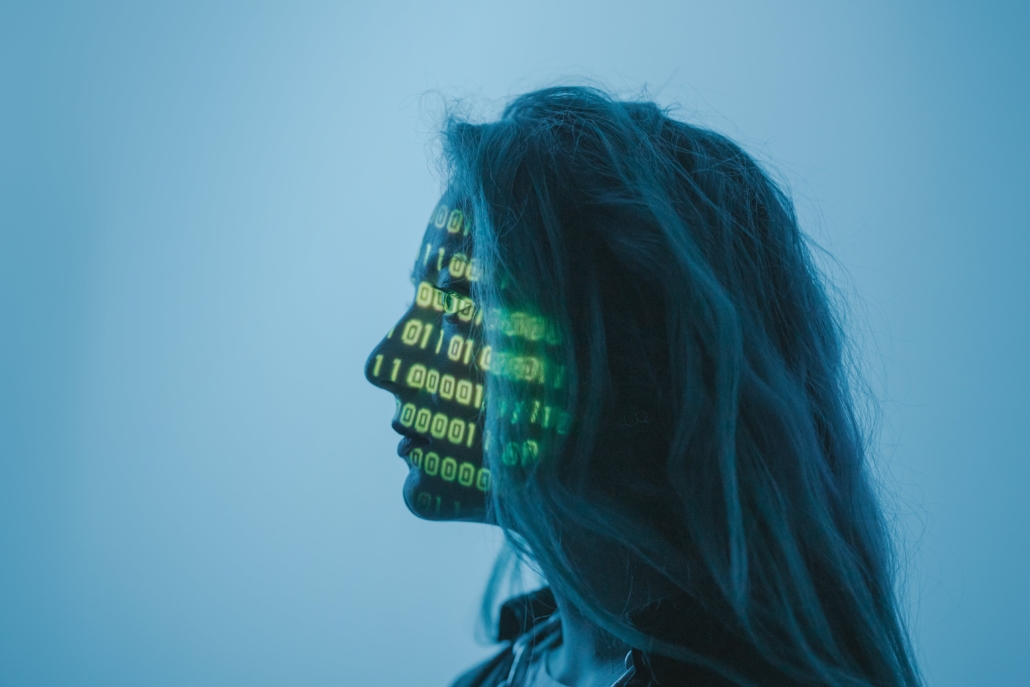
x=588 y=656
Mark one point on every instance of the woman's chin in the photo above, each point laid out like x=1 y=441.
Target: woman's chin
x=433 y=499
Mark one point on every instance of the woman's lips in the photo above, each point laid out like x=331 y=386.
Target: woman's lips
x=408 y=443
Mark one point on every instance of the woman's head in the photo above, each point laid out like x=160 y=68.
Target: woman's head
x=646 y=289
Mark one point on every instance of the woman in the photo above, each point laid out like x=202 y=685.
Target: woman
x=621 y=353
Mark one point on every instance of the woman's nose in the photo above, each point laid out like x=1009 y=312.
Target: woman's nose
x=374 y=364
x=378 y=365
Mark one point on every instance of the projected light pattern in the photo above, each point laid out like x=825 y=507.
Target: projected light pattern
x=436 y=360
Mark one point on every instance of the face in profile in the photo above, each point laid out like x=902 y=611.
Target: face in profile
x=434 y=364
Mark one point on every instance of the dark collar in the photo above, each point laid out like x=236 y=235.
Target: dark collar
x=521 y=614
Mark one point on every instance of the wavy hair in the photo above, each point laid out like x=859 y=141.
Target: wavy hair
x=710 y=499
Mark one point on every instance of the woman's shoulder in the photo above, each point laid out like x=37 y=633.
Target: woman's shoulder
x=530 y=621
x=519 y=619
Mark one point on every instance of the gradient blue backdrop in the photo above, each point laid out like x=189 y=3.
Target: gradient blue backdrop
x=207 y=213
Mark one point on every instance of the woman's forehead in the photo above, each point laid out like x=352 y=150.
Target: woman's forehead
x=446 y=247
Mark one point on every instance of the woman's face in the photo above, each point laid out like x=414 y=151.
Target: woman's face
x=433 y=362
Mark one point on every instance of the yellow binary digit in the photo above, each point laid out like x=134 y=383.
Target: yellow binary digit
x=379 y=362
x=454 y=223
x=472 y=433
x=454 y=347
x=466 y=474
x=416 y=376
x=431 y=464
x=447 y=387
x=424 y=295
x=466 y=310
x=440 y=218
x=432 y=381
x=457 y=265
x=485 y=354
x=439 y=426
x=416 y=457
x=468 y=351
x=425 y=335
x=463 y=394
x=456 y=431
x=448 y=469
x=407 y=414
x=483 y=479
x=396 y=367
x=422 y=419
x=411 y=332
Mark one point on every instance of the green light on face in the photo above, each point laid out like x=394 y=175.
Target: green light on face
x=441 y=358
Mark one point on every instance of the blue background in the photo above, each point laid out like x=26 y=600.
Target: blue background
x=207 y=217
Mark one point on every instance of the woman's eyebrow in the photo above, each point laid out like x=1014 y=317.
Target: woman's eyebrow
x=445 y=282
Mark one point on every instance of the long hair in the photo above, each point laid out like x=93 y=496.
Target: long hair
x=647 y=285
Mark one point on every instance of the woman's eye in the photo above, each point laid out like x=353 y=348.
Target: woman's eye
x=457 y=305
